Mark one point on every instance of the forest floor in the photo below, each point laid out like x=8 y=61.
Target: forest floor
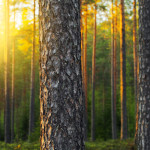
x=98 y=145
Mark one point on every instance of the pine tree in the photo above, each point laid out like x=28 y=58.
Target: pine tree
x=13 y=83
x=93 y=77
x=113 y=71
x=144 y=76
x=7 y=97
x=123 y=73
x=61 y=98
x=32 y=99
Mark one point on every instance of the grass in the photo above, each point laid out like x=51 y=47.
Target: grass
x=98 y=145
x=111 y=145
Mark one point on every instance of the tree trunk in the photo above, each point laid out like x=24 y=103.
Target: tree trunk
x=13 y=83
x=144 y=76
x=93 y=77
x=135 y=63
x=7 y=98
x=123 y=73
x=31 y=115
x=85 y=68
x=85 y=56
x=61 y=98
x=82 y=40
x=113 y=71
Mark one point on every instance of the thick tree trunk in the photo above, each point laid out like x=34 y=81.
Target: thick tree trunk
x=144 y=76
x=13 y=83
x=7 y=98
x=113 y=71
x=61 y=103
x=123 y=73
x=31 y=114
x=93 y=78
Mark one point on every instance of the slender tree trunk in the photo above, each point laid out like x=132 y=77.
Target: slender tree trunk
x=93 y=78
x=85 y=67
x=13 y=83
x=85 y=56
x=144 y=76
x=115 y=66
x=82 y=40
x=135 y=50
x=61 y=103
x=123 y=73
x=135 y=63
x=7 y=98
x=113 y=92
x=31 y=115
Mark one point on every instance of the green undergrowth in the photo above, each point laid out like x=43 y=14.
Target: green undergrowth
x=98 y=145
x=111 y=145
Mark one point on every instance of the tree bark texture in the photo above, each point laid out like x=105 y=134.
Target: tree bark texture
x=113 y=71
x=32 y=98
x=7 y=97
x=93 y=78
x=61 y=98
x=123 y=73
x=144 y=76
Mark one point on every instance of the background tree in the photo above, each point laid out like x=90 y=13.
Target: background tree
x=93 y=77
x=13 y=81
x=113 y=71
x=31 y=114
x=7 y=86
x=123 y=73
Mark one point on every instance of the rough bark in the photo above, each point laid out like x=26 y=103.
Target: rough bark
x=113 y=71
x=32 y=98
x=61 y=98
x=7 y=98
x=93 y=78
x=144 y=76
x=13 y=83
x=123 y=73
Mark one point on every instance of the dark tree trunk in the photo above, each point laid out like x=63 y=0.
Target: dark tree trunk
x=135 y=63
x=93 y=78
x=82 y=40
x=13 y=83
x=123 y=73
x=7 y=97
x=144 y=76
x=85 y=56
x=61 y=103
x=113 y=71
x=31 y=114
